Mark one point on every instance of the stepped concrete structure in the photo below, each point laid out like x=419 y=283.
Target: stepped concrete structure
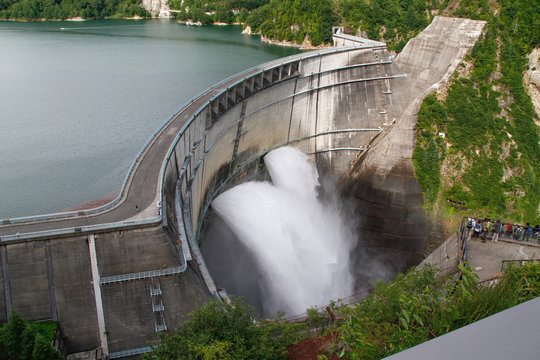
x=117 y=276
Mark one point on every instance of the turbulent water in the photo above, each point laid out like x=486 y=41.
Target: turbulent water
x=300 y=242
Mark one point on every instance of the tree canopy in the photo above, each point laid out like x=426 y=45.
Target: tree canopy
x=65 y=9
x=225 y=331
x=22 y=340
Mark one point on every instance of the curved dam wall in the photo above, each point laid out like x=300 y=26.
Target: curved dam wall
x=330 y=104
x=334 y=105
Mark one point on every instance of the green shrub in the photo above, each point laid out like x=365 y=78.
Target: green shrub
x=226 y=331
x=22 y=340
x=421 y=305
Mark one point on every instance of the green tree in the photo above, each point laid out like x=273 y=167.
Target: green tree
x=12 y=335
x=421 y=305
x=222 y=331
x=20 y=340
x=43 y=350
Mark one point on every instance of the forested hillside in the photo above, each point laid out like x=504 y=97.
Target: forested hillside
x=394 y=21
x=477 y=139
x=65 y=9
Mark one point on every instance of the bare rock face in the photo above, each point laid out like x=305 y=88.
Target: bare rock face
x=533 y=73
x=157 y=8
x=532 y=79
x=383 y=182
x=535 y=78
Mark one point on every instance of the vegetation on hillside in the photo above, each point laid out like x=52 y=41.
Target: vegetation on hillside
x=490 y=156
x=227 y=331
x=65 y=9
x=420 y=305
x=394 y=21
x=24 y=340
x=414 y=308
x=289 y=20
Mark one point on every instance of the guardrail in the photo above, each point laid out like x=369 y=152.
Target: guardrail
x=131 y=352
x=142 y=275
x=356 y=39
x=506 y=263
x=82 y=230
x=462 y=238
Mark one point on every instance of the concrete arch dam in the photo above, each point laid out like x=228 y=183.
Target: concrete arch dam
x=116 y=276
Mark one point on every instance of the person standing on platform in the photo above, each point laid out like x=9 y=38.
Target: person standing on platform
x=477 y=228
x=527 y=233
x=485 y=229
x=496 y=231
x=536 y=233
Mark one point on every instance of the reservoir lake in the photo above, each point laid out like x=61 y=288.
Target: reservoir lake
x=78 y=100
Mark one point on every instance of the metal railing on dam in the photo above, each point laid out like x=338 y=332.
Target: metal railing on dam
x=234 y=107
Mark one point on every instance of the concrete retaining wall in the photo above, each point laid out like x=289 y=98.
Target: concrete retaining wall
x=73 y=291
x=446 y=256
x=52 y=279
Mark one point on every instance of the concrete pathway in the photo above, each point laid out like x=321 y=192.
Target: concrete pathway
x=487 y=257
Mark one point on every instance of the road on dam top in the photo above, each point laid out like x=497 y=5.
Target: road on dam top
x=144 y=183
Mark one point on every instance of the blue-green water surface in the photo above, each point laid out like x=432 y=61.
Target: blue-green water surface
x=78 y=100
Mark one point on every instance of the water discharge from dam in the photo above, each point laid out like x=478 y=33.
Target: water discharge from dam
x=299 y=239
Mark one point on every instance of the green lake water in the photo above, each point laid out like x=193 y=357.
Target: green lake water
x=78 y=100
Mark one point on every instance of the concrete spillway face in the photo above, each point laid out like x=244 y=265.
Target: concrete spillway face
x=289 y=243
x=299 y=242
x=335 y=108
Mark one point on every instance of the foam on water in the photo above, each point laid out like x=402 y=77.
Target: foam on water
x=301 y=243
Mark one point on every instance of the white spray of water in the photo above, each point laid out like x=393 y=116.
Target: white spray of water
x=301 y=244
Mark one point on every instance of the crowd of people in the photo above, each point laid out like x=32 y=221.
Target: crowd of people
x=493 y=230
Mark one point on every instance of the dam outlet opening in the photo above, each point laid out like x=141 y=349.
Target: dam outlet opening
x=285 y=244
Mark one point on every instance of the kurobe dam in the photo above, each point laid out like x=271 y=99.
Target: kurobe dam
x=116 y=276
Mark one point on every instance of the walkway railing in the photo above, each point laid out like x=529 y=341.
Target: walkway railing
x=131 y=352
x=463 y=236
x=506 y=263
x=509 y=231
x=82 y=230
x=142 y=275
